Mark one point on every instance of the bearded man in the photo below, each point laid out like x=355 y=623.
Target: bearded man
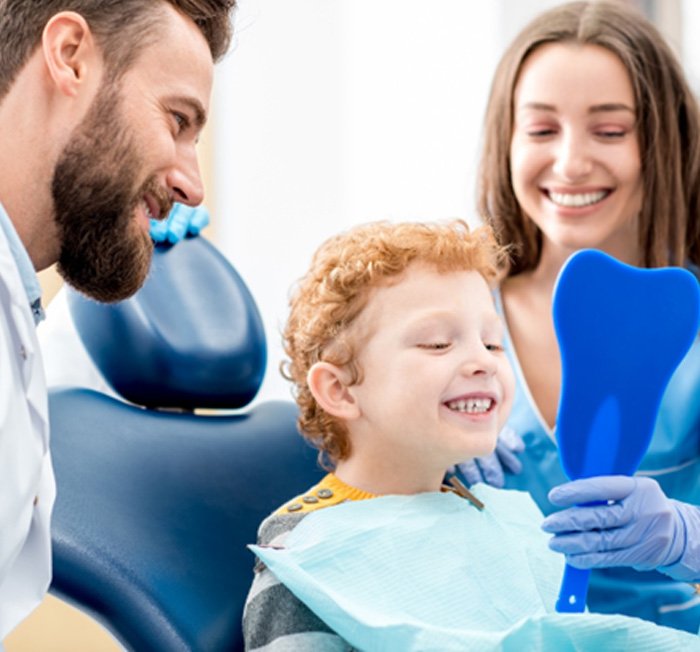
x=101 y=105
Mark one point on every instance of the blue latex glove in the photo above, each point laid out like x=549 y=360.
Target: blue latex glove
x=637 y=525
x=182 y=221
x=490 y=468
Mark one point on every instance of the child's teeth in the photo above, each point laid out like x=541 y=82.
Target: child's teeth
x=471 y=405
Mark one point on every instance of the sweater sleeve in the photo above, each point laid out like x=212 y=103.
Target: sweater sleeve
x=274 y=619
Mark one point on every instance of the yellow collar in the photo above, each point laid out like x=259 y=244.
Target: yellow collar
x=330 y=491
x=333 y=491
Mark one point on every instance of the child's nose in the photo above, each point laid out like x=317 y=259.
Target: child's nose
x=479 y=360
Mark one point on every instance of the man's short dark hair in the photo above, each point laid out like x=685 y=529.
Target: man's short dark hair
x=121 y=27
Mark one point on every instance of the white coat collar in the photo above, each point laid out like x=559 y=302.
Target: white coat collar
x=27 y=273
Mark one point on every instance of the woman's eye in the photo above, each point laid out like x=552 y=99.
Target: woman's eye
x=540 y=133
x=612 y=134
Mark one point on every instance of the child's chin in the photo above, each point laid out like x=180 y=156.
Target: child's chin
x=488 y=447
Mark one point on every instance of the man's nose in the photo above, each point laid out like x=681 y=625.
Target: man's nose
x=185 y=180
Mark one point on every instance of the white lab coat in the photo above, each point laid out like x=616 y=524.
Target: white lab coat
x=27 y=486
x=66 y=362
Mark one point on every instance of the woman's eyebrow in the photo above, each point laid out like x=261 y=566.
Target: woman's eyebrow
x=597 y=108
x=611 y=106
x=537 y=106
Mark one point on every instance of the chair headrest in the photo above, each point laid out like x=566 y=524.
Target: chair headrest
x=192 y=337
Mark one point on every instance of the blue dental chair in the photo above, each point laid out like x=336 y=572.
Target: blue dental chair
x=156 y=503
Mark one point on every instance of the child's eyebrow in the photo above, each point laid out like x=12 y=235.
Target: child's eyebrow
x=489 y=320
x=493 y=321
x=432 y=318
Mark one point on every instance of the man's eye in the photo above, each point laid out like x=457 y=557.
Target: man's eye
x=181 y=120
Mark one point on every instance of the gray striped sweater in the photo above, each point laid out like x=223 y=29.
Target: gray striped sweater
x=274 y=620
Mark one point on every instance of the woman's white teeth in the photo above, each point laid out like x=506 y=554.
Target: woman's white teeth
x=471 y=405
x=577 y=201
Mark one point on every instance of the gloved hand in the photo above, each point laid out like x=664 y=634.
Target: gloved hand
x=637 y=525
x=490 y=468
x=182 y=221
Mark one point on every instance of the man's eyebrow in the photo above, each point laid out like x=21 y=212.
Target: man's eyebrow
x=195 y=106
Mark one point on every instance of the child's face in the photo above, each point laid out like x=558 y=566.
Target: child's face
x=436 y=385
x=575 y=163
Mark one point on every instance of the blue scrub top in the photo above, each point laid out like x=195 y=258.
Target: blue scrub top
x=673 y=460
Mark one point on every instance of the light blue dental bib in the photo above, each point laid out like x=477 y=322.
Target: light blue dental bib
x=431 y=572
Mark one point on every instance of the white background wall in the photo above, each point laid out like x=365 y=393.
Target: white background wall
x=328 y=113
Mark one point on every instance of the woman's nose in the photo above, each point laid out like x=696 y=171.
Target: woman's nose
x=572 y=161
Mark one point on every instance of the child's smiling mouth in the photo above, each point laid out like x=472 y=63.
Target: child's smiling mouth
x=471 y=404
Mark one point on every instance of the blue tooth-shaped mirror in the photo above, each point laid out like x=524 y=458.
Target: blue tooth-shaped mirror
x=622 y=332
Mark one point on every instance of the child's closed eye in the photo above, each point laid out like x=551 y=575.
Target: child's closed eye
x=434 y=346
x=494 y=347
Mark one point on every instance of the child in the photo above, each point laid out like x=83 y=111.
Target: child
x=395 y=354
x=395 y=351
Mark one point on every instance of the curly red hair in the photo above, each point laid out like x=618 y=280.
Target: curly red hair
x=334 y=291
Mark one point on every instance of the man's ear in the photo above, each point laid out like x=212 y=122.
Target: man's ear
x=69 y=51
x=329 y=386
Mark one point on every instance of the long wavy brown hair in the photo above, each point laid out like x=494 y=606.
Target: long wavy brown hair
x=667 y=125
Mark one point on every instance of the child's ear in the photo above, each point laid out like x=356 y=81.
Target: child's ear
x=69 y=51
x=329 y=386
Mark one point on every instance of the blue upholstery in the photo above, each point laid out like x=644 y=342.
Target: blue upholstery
x=155 y=508
x=192 y=336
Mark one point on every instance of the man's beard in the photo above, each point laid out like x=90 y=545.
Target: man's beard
x=105 y=253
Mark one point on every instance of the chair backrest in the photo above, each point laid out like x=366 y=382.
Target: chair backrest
x=155 y=508
x=192 y=337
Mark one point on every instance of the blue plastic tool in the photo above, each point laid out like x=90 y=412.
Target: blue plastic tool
x=622 y=332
